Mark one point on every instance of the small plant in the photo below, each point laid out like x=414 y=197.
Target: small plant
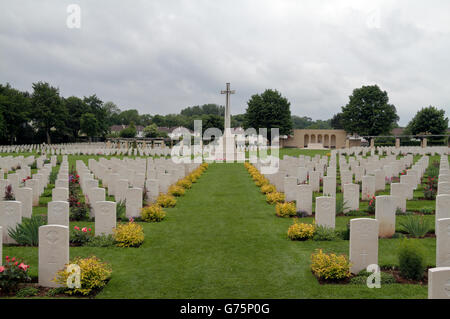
x=94 y=274
x=430 y=188
x=301 y=231
x=27 y=233
x=80 y=236
x=153 y=213
x=371 y=205
x=330 y=266
x=416 y=226
x=79 y=212
x=9 y=194
x=177 y=191
x=56 y=291
x=341 y=205
x=12 y=273
x=101 y=241
x=53 y=176
x=261 y=180
x=361 y=278
x=285 y=209
x=411 y=259
x=268 y=188
x=165 y=200
x=426 y=211
x=27 y=292
x=121 y=210
x=325 y=234
x=275 y=197
x=345 y=234
x=129 y=235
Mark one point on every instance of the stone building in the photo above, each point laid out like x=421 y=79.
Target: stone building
x=316 y=139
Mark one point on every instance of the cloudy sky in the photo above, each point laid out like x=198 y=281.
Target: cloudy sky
x=161 y=56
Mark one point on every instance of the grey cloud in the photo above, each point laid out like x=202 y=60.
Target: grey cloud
x=161 y=56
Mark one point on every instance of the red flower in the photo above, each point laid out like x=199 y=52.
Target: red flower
x=84 y=229
x=76 y=228
x=89 y=229
x=2 y=269
x=23 y=266
x=16 y=263
x=13 y=259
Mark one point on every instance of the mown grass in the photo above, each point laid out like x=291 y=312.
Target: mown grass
x=223 y=240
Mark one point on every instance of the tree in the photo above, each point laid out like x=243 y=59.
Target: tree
x=368 y=112
x=429 y=120
x=95 y=106
x=76 y=107
x=212 y=121
x=48 y=111
x=129 y=132
x=89 y=125
x=128 y=116
x=112 y=113
x=14 y=108
x=269 y=110
x=336 y=122
x=151 y=130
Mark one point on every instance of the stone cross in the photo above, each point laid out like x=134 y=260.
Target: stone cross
x=228 y=91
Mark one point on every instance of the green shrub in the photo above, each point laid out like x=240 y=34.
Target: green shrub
x=285 y=209
x=27 y=292
x=301 y=231
x=121 y=211
x=361 y=278
x=101 y=241
x=325 y=234
x=416 y=226
x=56 y=291
x=426 y=211
x=341 y=205
x=27 y=233
x=52 y=177
x=80 y=236
x=345 y=234
x=79 y=212
x=411 y=259
x=12 y=274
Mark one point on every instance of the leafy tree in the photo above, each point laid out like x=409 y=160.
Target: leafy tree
x=368 y=112
x=112 y=113
x=95 y=106
x=128 y=116
x=151 y=130
x=211 y=121
x=14 y=108
x=48 y=111
x=129 y=132
x=336 y=121
x=89 y=125
x=429 y=120
x=237 y=120
x=76 y=107
x=269 y=110
x=301 y=122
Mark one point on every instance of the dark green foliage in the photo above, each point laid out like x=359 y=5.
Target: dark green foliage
x=428 y=120
x=368 y=112
x=325 y=234
x=27 y=292
x=56 y=291
x=27 y=233
x=129 y=132
x=121 y=211
x=411 y=259
x=361 y=278
x=101 y=241
x=269 y=110
x=416 y=226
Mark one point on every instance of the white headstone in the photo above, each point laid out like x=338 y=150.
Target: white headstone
x=325 y=211
x=385 y=214
x=105 y=218
x=58 y=213
x=439 y=283
x=53 y=253
x=363 y=243
x=10 y=217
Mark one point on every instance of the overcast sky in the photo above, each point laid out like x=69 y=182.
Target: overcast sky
x=162 y=56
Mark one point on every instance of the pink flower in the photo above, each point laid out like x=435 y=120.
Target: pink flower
x=84 y=229
x=13 y=259
x=2 y=269
x=23 y=266
x=76 y=228
x=16 y=263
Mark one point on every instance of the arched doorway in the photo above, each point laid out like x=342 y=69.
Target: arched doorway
x=306 y=140
x=313 y=138
x=319 y=138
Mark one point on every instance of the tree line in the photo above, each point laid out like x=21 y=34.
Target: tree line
x=45 y=116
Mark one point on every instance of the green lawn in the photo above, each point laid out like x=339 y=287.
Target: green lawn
x=222 y=240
